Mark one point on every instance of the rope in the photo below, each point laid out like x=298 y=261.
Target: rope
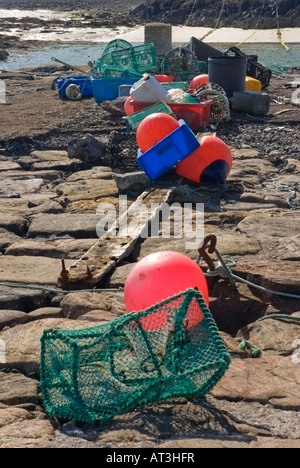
x=217 y=23
x=280 y=317
x=289 y=201
x=255 y=27
x=279 y=35
x=189 y=193
x=286 y=188
x=53 y=290
x=192 y=11
x=255 y=350
x=225 y=271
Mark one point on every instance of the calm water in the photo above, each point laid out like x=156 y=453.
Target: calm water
x=82 y=53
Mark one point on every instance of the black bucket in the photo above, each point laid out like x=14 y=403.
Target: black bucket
x=228 y=72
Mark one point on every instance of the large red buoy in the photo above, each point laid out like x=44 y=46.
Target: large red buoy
x=160 y=276
x=154 y=128
x=210 y=163
x=198 y=81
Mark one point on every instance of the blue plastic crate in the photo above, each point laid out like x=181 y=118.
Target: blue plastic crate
x=84 y=83
x=107 y=89
x=168 y=152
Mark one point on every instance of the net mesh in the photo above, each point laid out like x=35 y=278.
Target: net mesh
x=170 y=350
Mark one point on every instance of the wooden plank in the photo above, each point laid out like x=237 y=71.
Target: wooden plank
x=114 y=245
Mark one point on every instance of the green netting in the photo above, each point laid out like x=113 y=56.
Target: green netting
x=170 y=350
x=134 y=60
x=183 y=64
x=134 y=120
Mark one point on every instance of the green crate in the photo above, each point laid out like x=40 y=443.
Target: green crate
x=176 y=85
x=111 y=71
x=134 y=120
x=115 y=45
x=142 y=58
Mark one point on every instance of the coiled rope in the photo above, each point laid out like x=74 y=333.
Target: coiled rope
x=224 y=270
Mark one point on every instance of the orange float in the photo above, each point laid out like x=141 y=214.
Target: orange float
x=154 y=128
x=198 y=81
x=210 y=163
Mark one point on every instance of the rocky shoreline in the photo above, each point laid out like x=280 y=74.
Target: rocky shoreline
x=48 y=204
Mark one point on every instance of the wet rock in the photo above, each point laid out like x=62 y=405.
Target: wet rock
x=87 y=149
x=10 y=318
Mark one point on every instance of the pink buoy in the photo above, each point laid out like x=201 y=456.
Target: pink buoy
x=158 y=277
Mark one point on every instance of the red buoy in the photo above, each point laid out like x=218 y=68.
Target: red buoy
x=154 y=128
x=160 y=276
x=210 y=163
x=198 y=81
x=128 y=106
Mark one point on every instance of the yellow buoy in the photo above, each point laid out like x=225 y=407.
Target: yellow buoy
x=252 y=84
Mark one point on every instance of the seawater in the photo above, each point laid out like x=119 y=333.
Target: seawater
x=78 y=46
x=271 y=55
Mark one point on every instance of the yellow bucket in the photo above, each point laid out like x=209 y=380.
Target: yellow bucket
x=253 y=85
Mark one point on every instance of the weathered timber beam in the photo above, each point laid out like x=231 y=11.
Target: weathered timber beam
x=114 y=245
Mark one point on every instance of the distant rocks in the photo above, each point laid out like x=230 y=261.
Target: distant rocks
x=234 y=13
x=3 y=55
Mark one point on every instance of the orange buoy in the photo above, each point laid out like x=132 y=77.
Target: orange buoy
x=128 y=106
x=154 y=128
x=210 y=163
x=198 y=81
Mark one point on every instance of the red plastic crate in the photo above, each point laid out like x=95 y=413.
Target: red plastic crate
x=195 y=115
